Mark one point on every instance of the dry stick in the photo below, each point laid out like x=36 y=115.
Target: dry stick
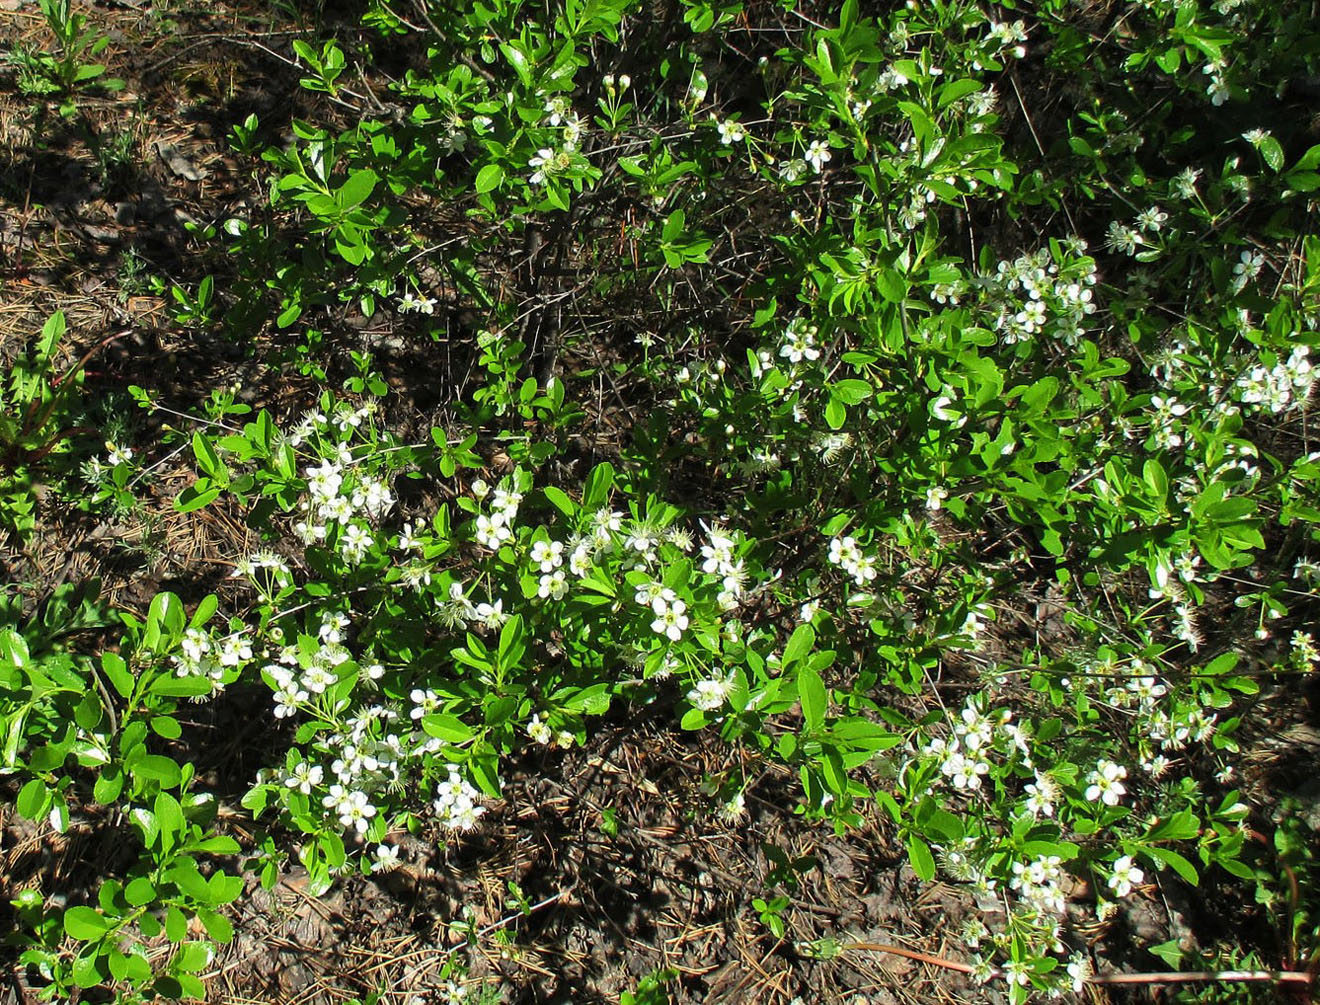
x=1291 y=977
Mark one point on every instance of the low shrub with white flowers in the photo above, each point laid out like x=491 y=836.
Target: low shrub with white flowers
x=843 y=407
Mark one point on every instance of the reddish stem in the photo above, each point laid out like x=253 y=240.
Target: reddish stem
x=1300 y=979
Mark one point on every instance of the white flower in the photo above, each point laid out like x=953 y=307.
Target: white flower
x=799 y=342
x=424 y=703
x=353 y=543
x=552 y=585
x=1184 y=183
x=547 y=555
x=304 y=775
x=935 y=496
x=818 y=153
x=117 y=454
x=1124 y=876
x=352 y=807
x=387 y=859
x=1105 y=783
x=287 y=699
x=1039 y=801
x=412 y=303
x=1079 y=970
x=540 y=163
x=1246 y=269
x=965 y=772
x=323 y=482
x=792 y=170
x=718 y=552
x=710 y=695
x=671 y=621
x=317 y=678
x=1017 y=972
x=492 y=531
x=539 y=731
x=491 y=615
x=557 y=108
x=580 y=561
x=456 y=802
x=731 y=132
x=1152 y=219
x=607 y=519
x=1123 y=238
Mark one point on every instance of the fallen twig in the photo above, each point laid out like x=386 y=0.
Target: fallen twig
x=1293 y=978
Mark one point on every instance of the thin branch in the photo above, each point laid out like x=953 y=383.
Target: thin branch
x=1296 y=978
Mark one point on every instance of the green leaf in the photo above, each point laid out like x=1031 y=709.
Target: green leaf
x=799 y=644
x=449 y=728
x=599 y=482
x=1176 y=862
x=1170 y=952
x=1272 y=152
x=1221 y=664
x=140 y=891
x=207 y=459
x=945 y=825
x=180 y=687
x=194 y=956
x=489 y=178
x=33 y=799
x=217 y=925
x=511 y=642
x=835 y=414
x=87 y=971
x=1181 y=826
x=1156 y=479
x=157 y=768
x=85 y=924
x=169 y=814
x=108 y=785
x=218 y=844
x=176 y=925
x=923 y=862
x=167 y=727
x=357 y=188
x=484 y=764
x=560 y=500
x=117 y=672
x=811 y=691
x=694 y=719
x=851 y=391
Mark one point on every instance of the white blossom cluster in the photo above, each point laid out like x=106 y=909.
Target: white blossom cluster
x=719 y=558
x=1276 y=389
x=1038 y=884
x=846 y=553
x=549 y=161
x=496 y=527
x=219 y=659
x=456 y=805
x=1034 y=295
x=266 y=571
x=964 y=757
x=297 y=675
x=342 y=503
